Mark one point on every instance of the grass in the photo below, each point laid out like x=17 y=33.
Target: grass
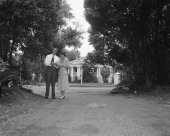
x=158 y=93
x=15 y=101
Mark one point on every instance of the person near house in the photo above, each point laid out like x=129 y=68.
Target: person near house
x=63 y=84
x=40 y=77
x=33 y=76
x=51 y=72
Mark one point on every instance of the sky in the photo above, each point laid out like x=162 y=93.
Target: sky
x=78 y=12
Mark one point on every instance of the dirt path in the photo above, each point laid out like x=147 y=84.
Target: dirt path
x=92 y=113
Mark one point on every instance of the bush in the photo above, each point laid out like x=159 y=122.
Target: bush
x=127 y=80
x=77 y=80
x=30 y=67
x=105 y=72
x=89 y=74
x=69 y=78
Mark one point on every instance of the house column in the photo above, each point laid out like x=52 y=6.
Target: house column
x=72 y=68
x=79 y=72
x=97 y=72
x=100 y=77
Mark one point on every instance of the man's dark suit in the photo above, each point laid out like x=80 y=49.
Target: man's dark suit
x=51 y=75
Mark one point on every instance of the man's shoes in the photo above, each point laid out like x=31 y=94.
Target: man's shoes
x=46 y=97
x=53 y=97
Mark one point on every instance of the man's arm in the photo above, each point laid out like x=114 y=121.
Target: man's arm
x=47 y=62
x=57 y=61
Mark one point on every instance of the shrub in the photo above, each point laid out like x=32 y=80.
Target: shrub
x=69 y=78
x=105 y=72
x=89 y=74
x=30 y=67
x=77 y=80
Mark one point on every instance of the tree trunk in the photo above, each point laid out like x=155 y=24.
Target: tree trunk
x=11 y=50
x=1 y=49
x=5 y=54
x=148 y=82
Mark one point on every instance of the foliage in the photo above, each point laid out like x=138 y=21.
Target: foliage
x=77 y=80
x=105 y=72
x=69 y=36
x=8 y=74
x=3 y=65
x=96 y=57
x=71 y=55
x=31 y=26
x=30 y=67
x=133 y=33
x=88 y=73
x=126 y=78
x=107 y=51
x=69 y=78
x=16 y=59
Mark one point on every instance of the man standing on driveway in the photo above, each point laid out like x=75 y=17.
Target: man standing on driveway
x=51 y=72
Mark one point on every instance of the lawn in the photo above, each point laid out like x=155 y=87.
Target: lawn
x=15 y=102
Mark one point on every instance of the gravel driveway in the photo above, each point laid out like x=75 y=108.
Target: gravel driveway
x=92 y=112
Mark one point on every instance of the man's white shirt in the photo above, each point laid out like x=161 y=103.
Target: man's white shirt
x=49 y=58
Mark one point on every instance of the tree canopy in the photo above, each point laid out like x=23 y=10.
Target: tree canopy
x=33 y=25
x=72 y=55
x=133 y=33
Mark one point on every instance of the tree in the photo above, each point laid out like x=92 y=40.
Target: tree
x=30 y=25
x=96 y=57
x=105 y=72
x=71 y=55
x=47 y=24
x=69 y=36
x=106 y=52
x=135 y=31
x=88 y=73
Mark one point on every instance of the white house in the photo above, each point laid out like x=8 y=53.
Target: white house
x=76 y=71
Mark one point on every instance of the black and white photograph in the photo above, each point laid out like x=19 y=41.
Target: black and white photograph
x=84 y=68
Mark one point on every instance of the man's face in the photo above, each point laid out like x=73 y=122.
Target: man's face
x=55 y=50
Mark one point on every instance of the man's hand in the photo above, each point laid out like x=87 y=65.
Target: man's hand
x=60 y=65
x=52 y=63
x=56 y=64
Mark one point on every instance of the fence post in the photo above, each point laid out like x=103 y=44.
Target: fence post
x=81 y=76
